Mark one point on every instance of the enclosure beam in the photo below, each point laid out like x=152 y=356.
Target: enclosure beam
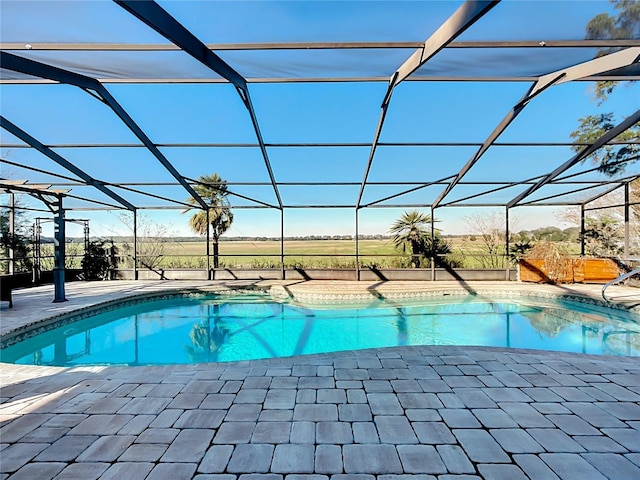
x=487 y=192
x=154 y=16
x=577 y=190
x=502 y=126
x=31 y=67
x=163 y=47
x=405 y=192
x=608 y=191
x=627 y=123
x=276 y=80
x=592 y=67
x=25 y=137
x=605 y=207
x=318 y=144
x=234 y=194
x=559 y=180
x=465 y=16
x=161 y=21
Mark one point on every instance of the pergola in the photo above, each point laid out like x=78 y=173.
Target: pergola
x=63 y=65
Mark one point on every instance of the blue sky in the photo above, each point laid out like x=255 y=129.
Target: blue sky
x=304 y=112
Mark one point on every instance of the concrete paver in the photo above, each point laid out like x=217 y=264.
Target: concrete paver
x=18 y=454
x=500 y=472
x=328 y=459
x=371 y=459
x=106 y=449
x=121 y=470
x=216 y=459
x=455 y=459
x=420 y=459
x=293 y=458
x=303 y=432
x=554 y=440
x=333 y=433
x=570 y=465
x=402 y=413
x=395 y=429
x=82 y=471
x=251 y=458
x=172 y=471
x=273 y=432
x=41 y=471
x=534 y=467
x=67 y=448
x=189 y=446
x=515 y=441
x=365 y=432
x=599 y=444
x=480 y=447
x=612 y=466
x=234 y=432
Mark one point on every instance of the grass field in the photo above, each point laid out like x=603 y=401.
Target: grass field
x=267 y=254
x=314 y=253
x=298 y=253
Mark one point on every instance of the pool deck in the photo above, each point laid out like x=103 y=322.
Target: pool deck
x=430 y=412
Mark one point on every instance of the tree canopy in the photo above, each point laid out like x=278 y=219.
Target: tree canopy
x=611 y=159
x=624 y=24
x=213 y=191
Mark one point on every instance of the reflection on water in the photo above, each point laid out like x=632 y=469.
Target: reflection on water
x=616 y=337
x=207 y=337
x=211 y=330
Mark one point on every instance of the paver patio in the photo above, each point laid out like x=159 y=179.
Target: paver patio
x=440 y=412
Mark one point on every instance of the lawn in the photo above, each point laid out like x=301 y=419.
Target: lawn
x=312 y=253
x=266 y=254
x=298 y=253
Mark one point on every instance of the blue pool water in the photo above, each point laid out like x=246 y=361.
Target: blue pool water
x=215 y=329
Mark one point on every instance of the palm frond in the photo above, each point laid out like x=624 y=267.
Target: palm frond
x=214 y=192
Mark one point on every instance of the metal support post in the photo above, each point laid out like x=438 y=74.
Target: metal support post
x=58 y=251
x=135 y=245
x=37 y=252
x=433 y=235
x=282 y=271
x=357 y=248
x=12 y=232
x=208 y=264
x=582 y=230
x=86 y=235
x=506 y=242
x=86 y=246
x=626 y=220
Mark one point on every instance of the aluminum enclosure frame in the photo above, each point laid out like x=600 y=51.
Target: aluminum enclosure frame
x=152 y=15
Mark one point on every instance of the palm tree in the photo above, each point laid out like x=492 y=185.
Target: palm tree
x=411 y=230
x=213 y=191
x=206 y=344
x=436 y=248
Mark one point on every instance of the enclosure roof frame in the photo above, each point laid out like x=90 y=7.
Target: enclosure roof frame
x=609 y=67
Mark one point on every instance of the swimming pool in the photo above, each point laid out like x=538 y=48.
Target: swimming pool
x=214 y=328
